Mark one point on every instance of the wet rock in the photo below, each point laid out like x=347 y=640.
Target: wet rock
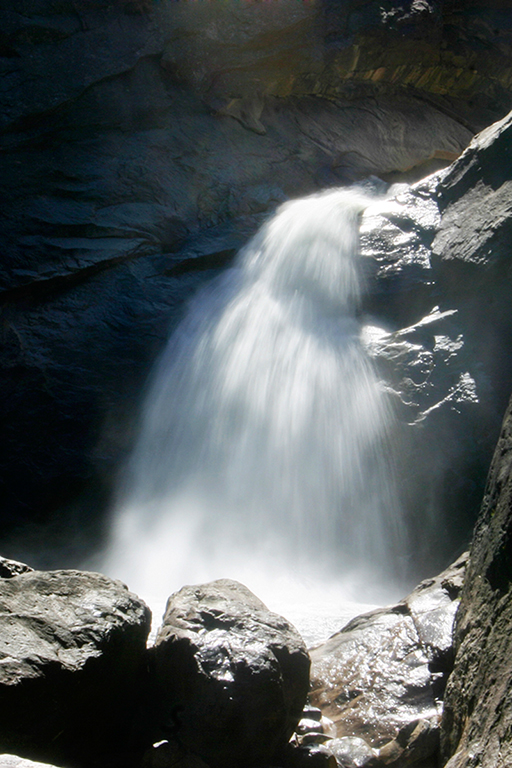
x=231 y=678
x=474 y=197
x=307 y=725
x=477 y=717
x=72 y=653
x=387 y=669
x=437 y=315
x=419 y=347
x=416 y=744
x=352 y=752
x=314 y=737
x=313 y=727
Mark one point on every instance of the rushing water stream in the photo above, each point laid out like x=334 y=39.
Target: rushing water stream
x=263 y=452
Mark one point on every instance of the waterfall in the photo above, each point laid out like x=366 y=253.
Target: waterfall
x=264 y=435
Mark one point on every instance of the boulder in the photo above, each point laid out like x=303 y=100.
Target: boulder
x=230 y=677
x=477 y=718
x=72 y=655
x=351 y=752
x=416 y=744
x=381 y=678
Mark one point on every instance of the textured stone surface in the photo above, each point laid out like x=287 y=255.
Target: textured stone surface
x=471 y=247
x=231 y=678
x=387 y=669
x=351 y=752
x=11 y=568
x=439 y=314
x=437 y=389
x=477 y=719
x=72 y=649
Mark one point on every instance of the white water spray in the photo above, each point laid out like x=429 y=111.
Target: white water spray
x=263 y=447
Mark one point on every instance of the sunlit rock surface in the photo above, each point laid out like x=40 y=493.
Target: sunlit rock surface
x=471 y=255
x=437 y=324
x=386 y=670
x=230 y=677
x=418 y=341
x=72 y=650
x=477 y=719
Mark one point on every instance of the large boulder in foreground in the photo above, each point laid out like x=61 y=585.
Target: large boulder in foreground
x=477 y=719
x=381 y=679
x=231 y=677
x=72 y=648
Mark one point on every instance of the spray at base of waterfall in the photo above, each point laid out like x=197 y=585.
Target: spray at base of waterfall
x=264 y=451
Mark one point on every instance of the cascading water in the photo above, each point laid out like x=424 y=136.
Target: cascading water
x=263 y=444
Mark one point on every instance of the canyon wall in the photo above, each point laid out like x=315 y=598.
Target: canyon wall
x=141 y=145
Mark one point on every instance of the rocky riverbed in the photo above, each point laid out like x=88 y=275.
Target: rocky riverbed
x=225 y=682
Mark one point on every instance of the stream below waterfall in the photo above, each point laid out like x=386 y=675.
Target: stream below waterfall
x=264 y=449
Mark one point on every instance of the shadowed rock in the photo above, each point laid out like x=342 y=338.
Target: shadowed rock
x=231 y=678
x=477 y=719
x=72 y=650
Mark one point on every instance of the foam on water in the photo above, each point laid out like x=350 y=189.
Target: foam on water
x=263 y=451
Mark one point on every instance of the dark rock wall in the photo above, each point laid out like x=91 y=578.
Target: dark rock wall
x=140 y=145
x=477 y=720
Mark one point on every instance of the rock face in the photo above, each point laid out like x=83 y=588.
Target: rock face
x=231 y=678
x=72 y=652
x=382 y=678
x=477 y=719
x=438 y=315
x=11 y=568
x=475 y=200
x=140 y=145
